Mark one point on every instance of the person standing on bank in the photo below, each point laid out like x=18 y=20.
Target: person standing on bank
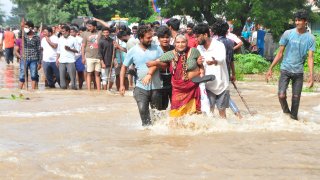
x=296 y=44
x=90 y=53
x=49 y=46
x=32 y=55
x=67 y=47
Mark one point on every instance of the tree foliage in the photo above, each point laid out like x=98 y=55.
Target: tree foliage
x=2 y=14
x=273 y=14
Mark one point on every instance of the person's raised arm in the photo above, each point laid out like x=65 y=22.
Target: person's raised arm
x=101 y=22
x=53 y=45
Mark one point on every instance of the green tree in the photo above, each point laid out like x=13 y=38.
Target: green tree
x=2 y=14
x=199 y=9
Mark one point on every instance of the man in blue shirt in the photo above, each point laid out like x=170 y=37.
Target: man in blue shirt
x=296 y=44
x=140 y=55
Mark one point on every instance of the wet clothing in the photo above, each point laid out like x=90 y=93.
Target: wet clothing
x=166 y=90
x=143 y=99
x=297 y=48
x=33 y=66
x=149 y=94
x=217 y=51
x=139 y=57
x=297 y=83
x=51 y=70
x=185 y=93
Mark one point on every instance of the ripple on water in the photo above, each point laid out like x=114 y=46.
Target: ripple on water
x=274 y=122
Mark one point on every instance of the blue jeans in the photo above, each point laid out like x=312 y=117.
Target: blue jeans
x=50 y=69
x=233 y=106
x=33 y=66
x=297 y=83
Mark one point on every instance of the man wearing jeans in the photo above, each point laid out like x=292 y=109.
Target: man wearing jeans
x=297 y=44
x=49 y=46
x=140 y=55
x=31 y=55
x=67 y=47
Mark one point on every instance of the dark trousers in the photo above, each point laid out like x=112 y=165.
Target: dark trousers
x=50 y=70
x=9 y=55
x=166 y=98
x=143 y=99
x=297 y=82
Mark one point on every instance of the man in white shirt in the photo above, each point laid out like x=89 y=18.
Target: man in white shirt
x=213 y=55
x=80 y=68
x=67 y=47
x=49 y=44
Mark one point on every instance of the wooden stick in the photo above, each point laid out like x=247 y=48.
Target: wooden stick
x=112 y=61
x=244 y=102
x=23 y=56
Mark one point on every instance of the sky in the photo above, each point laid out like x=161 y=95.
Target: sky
x=6 y=6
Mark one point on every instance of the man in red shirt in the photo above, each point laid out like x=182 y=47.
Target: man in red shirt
x=8 y=39
x=192 y=41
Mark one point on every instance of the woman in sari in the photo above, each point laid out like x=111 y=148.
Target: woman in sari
x=182 y=62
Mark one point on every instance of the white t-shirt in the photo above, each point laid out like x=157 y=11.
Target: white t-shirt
x=233 y=37
x=132 y=42
x=67 y=56
x=216 y=50
x=49 y=53
x=254 y=37
x=79 y=43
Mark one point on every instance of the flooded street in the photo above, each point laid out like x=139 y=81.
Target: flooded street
x=65 y=134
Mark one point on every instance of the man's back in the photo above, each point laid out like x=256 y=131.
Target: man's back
x=8 y=39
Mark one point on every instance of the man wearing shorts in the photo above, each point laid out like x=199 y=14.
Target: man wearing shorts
x=213 y=53
x=90 y=53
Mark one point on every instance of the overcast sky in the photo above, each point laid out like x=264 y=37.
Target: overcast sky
x=6 y=6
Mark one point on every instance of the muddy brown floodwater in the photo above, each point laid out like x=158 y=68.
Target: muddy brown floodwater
x=64 y=134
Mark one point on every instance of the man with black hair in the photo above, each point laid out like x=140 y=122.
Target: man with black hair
x=220 y=29
x=80 y=68
x=192 y=41
x=67 y=48
x=90 y=53
x=295 y=46
x=32 y=55
x=106 y=53
x=149 y=94
x=121 y=51
x=164 y=35
x=49 y=44
x=8 y=38
x=156 y=24
x=134 y=31
x=213 y=55
x=174 y=25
